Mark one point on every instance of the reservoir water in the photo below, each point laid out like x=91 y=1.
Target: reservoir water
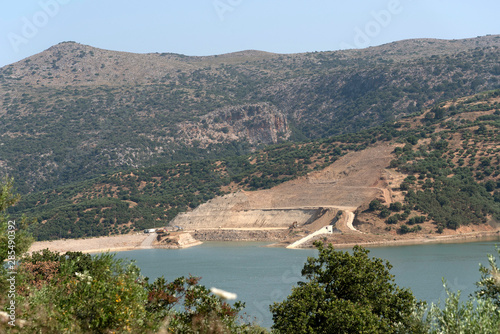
x=262 y=275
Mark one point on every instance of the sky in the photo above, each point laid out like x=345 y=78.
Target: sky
x=208 y=27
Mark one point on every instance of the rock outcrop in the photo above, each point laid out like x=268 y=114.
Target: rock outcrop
x=254 y=123
x=176 y=240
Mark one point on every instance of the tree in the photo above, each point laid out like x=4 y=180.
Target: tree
x=481 y=129
x=384 y=213
x=404 y=186
x=439 y=113
x=479 y=314
x=476 y=315
x=14 y=240
x=375 y=205
x=412 y=140
x=489 y=285
x=404 y=229
x=393 y=219
x=396 y=206
x=490 y=186
x=82 y=293
x=347 y=293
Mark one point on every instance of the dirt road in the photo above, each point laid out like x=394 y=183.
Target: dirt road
x=148 y=242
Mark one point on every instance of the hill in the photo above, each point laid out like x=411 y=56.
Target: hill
x=74 y=112
x=437 y=172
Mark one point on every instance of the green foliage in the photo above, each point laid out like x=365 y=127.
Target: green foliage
x=489 y=285
x=396 y=206
x=90 y=294
x=479 y=314
x=384 y=213
x=393 y=219
x=201 y=312
x=416 y=220
x=80 y=293
x=473 y=316
x=14 y=239
x=7 y=198
x=346 y=293
x=375 y=205
x=71 y=126
x=148 y=197
x=471 y=202
x=406 y=229
x=454 y=185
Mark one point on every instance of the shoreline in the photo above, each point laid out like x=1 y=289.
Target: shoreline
x=130 y=242
x=114 y=243
x=446 y=239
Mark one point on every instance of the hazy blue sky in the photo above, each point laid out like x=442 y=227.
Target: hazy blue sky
x=205 y=27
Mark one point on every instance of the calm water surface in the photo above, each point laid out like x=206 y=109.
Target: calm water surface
x=262 y=275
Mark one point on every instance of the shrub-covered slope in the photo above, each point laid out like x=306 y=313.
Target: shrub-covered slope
x=74 y=112
x=449 y=153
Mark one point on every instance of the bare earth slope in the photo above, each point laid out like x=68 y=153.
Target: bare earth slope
x=353 y=180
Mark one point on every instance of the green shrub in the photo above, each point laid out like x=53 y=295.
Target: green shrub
x=80 y=293
x=384 y=213
x=347 y=293
x=392 y=219
x=416 y=220
x=473 y=316
x=375 y=205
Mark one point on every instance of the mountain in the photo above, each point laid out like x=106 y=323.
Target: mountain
x=434 y=172
x=74 y=112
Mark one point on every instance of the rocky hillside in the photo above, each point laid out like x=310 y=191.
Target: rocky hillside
x=73 y=111
x=436 y=172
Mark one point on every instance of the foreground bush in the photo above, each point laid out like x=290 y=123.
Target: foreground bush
x=480 y=313
x=347 y=294
x=476 y=315
x=80 y=293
